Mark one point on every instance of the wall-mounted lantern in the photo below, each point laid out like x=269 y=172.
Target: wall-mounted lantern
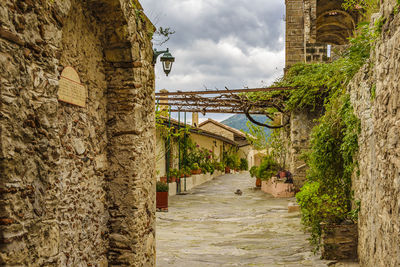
x=167 y=59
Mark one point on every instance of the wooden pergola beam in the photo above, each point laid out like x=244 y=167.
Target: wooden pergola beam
x=197 y=99
x=231 y=111
x=228 y=91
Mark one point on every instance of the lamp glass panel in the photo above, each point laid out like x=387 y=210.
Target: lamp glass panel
x=167 y=65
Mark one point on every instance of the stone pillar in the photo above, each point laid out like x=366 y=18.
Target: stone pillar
x=131 y=147
x=195 y=119
x=294 y=32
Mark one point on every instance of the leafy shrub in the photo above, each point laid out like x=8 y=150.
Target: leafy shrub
x=161 y=187
x=253 y=171
x=244 y=164
x=219 y=166
x=326 y=196
x=268 y=168
x=174 y=173
x=195 y=166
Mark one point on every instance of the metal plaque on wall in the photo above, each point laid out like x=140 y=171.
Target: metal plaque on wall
x=71 y=90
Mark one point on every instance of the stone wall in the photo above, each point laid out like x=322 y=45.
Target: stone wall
x=77 y=185
x=301 y=124
x=378 y=184
x=339 y=242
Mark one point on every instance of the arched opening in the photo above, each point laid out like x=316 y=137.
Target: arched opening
x=334 y=25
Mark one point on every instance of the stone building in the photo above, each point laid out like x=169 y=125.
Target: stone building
x=77 y=182
x=316 y=30
x=245 y=149
x=375 y=95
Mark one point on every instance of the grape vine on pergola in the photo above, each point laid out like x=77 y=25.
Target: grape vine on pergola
x=225 y=101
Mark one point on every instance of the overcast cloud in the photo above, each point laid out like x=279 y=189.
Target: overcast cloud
x=218 y=43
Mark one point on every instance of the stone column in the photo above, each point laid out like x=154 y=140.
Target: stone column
x=294 y=32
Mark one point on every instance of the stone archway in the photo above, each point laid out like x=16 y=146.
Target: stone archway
x=78 y=183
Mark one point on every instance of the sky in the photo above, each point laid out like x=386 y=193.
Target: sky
x=219 y=43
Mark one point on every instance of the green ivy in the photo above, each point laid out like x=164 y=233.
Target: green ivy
x=327 y=195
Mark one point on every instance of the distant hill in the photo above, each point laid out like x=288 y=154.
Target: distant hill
x=239 y=121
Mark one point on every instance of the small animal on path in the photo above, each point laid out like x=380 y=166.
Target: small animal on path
x=239 y=192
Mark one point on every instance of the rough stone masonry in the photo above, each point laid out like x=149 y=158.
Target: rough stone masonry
x=375 y=94
x=76 y=183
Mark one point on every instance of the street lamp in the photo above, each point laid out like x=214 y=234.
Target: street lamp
x=167 y=59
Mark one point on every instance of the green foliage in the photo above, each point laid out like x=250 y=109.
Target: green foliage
x=244 y=164
x=174 y=173
x=161 y=187
x=186 y=170
x=166 y=131
x=268 y=168
x=364 y=7
x=231 y=159
x=195 y=166
x=256 y=136
x=253 y=171
x=317 y=82
x=277 y=146
x=326 y=196
x=219 y=166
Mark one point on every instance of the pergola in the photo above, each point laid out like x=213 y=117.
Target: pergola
x=223 y=101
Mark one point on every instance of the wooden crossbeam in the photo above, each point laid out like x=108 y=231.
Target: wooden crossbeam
x=215 y=111
x=180 y=104
x=216 y=92
x=197 y=99
x=197 y=105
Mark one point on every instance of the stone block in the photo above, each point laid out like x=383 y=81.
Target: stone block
x=339 y=242
x=293 y=207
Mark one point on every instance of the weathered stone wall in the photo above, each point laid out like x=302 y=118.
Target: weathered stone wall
x=378 y=184
x=77 y=185
x=339 y=242
x=316 y=53
x=301 y=124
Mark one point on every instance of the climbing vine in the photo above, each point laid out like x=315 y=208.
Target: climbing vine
x=327 y=196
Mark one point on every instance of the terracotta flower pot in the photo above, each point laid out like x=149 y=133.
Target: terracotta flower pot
x=258 y=182
x=172 y=179
x=227 y=170
x=162 y=200
x=196 y=171
x=163 y=179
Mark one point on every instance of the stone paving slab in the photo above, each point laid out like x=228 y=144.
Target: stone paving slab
x=212 y=226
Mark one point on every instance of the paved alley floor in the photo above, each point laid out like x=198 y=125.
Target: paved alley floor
x=212 y=226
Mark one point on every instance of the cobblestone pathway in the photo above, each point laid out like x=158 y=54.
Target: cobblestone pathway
x=211 y=226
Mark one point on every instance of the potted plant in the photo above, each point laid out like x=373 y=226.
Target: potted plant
x=173 y=174
x=195 y=168
x=268 y=168
x=186 y=171
x=163 y=179
x=244 y=164
x=253 y=173
x=162 y=195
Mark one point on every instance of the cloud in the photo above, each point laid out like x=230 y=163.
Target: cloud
x=218 y=43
